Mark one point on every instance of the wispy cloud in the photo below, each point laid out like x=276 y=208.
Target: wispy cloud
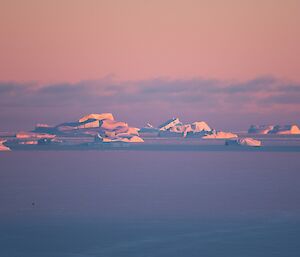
x=141 y=100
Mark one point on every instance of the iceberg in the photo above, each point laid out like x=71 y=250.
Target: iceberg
x=285 y=130
x=3 y=147
x=92 y=125
x=112 y=125
x=133 y=131
x=126 y=138
x=136 y=139
x=96 y=116
x=247 y=141
x=277 y=129
x=199 y=126
x=149 y=131
x=260 y=129
x=175 y=128
x=169 y=124
x=220 y=135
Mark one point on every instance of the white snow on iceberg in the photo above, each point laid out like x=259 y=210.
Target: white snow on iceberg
x=96 y=116
x=285 y=130
x=260 y=129
x=175 y=128
x=274 y=129
x=220 y=135
x=247 y=141
x=3 y=147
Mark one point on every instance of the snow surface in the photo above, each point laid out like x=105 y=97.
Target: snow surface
x=247 y=141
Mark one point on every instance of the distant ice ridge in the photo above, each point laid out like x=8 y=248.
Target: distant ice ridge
x=175 y=128
x=274 y=129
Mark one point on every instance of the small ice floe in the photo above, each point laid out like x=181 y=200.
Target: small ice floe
x=247 y=141
x=3 y=147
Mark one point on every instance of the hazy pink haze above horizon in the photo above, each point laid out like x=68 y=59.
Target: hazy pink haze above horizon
x=69 y=40
x=228 y=62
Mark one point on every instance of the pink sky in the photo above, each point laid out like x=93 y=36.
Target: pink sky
x=73 y=40
x=228 y=62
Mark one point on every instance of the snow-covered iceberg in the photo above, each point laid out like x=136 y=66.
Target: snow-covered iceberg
x=112 y=125
x=260 y=129
x=2 y=146
x=175 y=128
x=220 y=135
x=199 y=126
x=92 y=124
x=120 y=138
x=169 y=124
x=104 y=128
x=149 y=130
x=274 y=129
x=247 y=141
x=97 y=116
x=285 y=130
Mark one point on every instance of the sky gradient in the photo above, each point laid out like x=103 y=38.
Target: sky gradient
x=184 y=49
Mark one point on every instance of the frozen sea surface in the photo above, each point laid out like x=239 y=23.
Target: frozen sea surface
x=135 y=203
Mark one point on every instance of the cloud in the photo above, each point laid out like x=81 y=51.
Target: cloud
x=259 y=84
x=181 y=91
x=139 y=100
